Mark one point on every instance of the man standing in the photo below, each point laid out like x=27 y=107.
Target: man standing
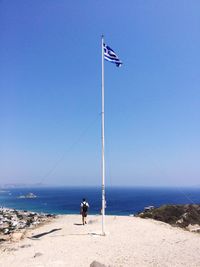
x=84 y=210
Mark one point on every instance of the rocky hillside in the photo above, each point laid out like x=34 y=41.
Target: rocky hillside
x=185 y=216
x=15 y=221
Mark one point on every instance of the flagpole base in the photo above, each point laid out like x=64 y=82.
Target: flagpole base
x=105 y=233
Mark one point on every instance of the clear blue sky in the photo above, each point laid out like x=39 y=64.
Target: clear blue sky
x=50 y=92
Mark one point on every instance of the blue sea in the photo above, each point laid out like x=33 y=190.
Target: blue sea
x=120 y=201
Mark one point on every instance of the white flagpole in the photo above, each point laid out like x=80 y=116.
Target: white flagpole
x=103 y=142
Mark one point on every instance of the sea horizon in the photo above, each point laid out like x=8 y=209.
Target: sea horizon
x=99 y=187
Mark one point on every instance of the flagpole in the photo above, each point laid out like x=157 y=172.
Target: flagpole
x=103 y=141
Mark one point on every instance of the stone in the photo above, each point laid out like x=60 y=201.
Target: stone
x=194 y=228
x=25 y=246
x=180 y=221
x=97 y=264
x=37 y=254
x=6 y=231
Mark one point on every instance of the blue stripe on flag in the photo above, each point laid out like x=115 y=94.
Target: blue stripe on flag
x=111 y=56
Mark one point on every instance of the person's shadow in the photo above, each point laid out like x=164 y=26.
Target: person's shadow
x=78 y=224
x=45 y=233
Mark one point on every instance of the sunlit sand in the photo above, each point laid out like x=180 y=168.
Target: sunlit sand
x=129 y=242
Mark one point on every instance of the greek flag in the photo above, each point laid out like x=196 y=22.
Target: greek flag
x=111 y=56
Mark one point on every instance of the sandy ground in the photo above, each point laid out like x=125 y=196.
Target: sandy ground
x=129 y=242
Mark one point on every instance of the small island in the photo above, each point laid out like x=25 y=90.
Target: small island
x=29 y=195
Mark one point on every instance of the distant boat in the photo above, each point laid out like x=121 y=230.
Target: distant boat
x=29 y=195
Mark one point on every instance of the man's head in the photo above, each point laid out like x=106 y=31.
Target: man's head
x=83 y=199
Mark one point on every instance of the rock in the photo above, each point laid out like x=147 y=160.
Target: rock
x=180 y=221
x=185 y=215
x=37 y=254
x=193 y=228
x=14 y=223
x=97 y=264
x=6 y=231
x=25 y=246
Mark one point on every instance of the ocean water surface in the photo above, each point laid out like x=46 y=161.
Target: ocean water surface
x=120 y=201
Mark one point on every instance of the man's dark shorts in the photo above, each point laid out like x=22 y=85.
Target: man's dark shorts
x=84 y=214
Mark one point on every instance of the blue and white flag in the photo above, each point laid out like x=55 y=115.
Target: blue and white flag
x=111 y=56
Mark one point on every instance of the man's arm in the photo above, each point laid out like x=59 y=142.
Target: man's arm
x=81 y=208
